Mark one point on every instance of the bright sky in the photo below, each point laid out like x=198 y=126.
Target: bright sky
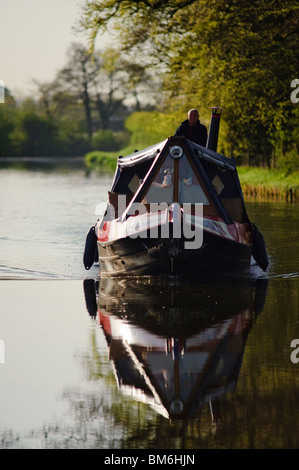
x=34 y=38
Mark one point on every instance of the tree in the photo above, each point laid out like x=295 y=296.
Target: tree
x=102 y=80
x=77 y=78
x=33 y=134
x=237 y=54
x=7 y=120
x=63 y=108
x=95 y=80
x=138 y=22
x=247 y=60
x=109 y=86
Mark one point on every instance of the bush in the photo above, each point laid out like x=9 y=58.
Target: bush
x=289 y=162
x=109 y=140
x=101 y=161
x=148 y=128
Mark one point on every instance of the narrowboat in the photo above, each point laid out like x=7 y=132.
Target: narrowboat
x=176 y=208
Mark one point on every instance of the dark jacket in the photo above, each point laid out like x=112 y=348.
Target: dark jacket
x=198 y=134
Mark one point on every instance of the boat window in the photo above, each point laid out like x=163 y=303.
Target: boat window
x=176 y=182
x=190 y=189
x=161 y=189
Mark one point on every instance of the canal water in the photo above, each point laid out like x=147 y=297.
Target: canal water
x=142 y=364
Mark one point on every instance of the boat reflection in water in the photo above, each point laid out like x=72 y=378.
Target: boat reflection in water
x=175 y=345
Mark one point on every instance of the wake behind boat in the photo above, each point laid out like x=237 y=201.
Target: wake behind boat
x=176 y=208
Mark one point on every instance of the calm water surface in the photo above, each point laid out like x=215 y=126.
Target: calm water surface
x=137 y=364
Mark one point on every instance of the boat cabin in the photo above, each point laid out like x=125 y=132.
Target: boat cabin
x=178 y=171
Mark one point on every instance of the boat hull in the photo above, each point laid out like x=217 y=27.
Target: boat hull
x=217 y=257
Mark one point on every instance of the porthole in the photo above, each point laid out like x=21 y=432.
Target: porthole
x=176 y=152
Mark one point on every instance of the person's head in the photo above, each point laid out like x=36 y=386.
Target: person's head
x=193 y=116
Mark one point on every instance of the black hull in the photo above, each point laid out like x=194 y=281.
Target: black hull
x=217 y=257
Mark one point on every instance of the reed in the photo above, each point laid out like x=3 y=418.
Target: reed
x=267 y=184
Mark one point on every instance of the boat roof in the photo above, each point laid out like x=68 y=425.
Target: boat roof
x=149 y=153
x=139 y=157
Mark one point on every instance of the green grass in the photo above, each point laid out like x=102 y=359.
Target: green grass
x=104 y=161
x=269 y=183
x=278 y=178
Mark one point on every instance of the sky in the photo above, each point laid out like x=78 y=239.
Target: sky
x=34 y=39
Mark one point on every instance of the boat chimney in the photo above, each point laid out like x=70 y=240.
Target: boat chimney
x=214 y=128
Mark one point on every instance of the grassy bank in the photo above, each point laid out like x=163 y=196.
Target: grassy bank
x=103 y=161
x=262 y=183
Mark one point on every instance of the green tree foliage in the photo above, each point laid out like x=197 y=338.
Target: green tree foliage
x=236 y=54
x=7 y=117
x=147 y=128
x=29 y=133
x=26 y=130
